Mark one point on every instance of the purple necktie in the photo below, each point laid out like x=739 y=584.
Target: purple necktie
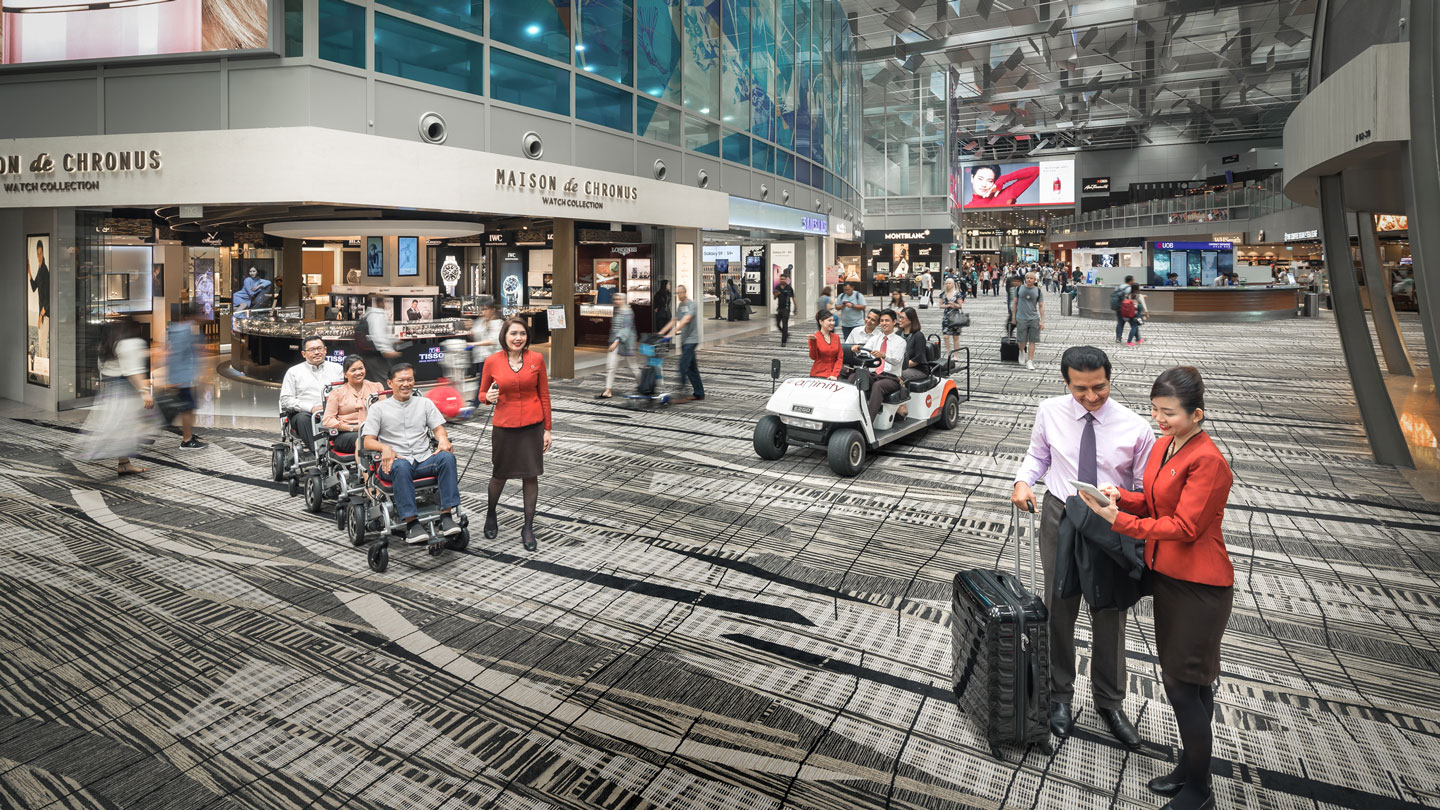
x=1086 y=468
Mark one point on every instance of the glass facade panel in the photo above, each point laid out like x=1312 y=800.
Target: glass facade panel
x=519 y=80
x=702 y=57
x=294 y=28
x=603 y=104
x=762 y=156
x=466 y=15
x=785 y=74
x=654 y=120
x=657 y=55
x=342 y=33
x=762 y=69
x=702 y=136
x=538 y=26
x=605 y=40
x=735 y=63
x=736 y=148
x=784 y=164
x=427 y=55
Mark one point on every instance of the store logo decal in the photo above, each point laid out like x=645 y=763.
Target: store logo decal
x=572 y=190
x=904 y=235
x=45 y=165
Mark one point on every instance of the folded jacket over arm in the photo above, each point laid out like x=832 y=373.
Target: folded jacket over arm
x=1094 y=560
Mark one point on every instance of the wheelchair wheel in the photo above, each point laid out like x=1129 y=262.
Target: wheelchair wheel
x=355 y=524
x=314 y=497
x=458 y=542
x=378 y=558
x=294 y=485
x=342 y=511
x=277 y=462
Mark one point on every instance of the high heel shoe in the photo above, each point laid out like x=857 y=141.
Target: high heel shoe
x=527 y=539
x=492 y=526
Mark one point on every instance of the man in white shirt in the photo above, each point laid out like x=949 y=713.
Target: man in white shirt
x=927 y=287
x=888 y=345
x=862 y=333
x=378 y=343
x=303 y=391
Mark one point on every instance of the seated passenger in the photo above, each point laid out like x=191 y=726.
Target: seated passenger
x=396 y=429
x=347 y=406
x=917 y=352
x=302 y=392
x=862 y=333
x=889 y=346
x=825 y=348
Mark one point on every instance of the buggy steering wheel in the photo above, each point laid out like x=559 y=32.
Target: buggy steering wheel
x=867 y=358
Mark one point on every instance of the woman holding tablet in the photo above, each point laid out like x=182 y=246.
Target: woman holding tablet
x=1187 y=484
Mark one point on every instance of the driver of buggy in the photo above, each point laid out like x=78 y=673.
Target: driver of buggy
x=888 y=345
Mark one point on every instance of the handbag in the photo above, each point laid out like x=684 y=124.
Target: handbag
x=959 y=319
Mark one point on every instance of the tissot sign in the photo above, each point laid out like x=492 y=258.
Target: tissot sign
x=72 y=171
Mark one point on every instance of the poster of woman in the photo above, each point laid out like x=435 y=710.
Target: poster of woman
x=37 y=343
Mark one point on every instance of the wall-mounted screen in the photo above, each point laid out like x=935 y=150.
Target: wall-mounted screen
x=407 y=256
x=1019 y=185
x=1104 y=259
x=36 y=31
x=374 y=257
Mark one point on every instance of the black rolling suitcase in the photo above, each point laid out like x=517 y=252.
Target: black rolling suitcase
x=1000 y=645
x=1009 y=350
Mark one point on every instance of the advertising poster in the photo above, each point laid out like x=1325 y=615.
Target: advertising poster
x=204 y=287
x=607 y=280
x=900 y=256
x=755 y=275
x=832 y=275
x=37 y=311
x=407 y=256
x=67 y=32
x=254 y=285
x=512 y=282
x=374 y=256
x=782 y=262
x=1018 y=185
x=417 y=309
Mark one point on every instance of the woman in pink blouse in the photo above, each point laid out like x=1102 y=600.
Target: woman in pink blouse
x=348 y=405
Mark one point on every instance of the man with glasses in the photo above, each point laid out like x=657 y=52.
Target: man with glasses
x=1083 y=436
x=302 y=392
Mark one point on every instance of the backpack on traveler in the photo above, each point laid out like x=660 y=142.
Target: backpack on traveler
x=1116 y=296
x=1127 y=308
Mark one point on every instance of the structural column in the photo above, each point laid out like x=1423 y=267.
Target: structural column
x=292 y=270
x=1377 y=412
x=1423 y=175
x=1382 y=306
x=562 y=341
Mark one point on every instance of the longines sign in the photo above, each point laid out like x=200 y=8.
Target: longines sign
x=47 y=169
x=570 y=195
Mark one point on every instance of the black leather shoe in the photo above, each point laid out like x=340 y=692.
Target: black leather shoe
x=1061 y=720
x=1208 y=804
x=527 y=539
x=1171 y=783
x=1121 y=727
x=492 y=526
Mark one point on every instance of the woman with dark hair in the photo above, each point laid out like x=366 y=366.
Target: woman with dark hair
x=349 y=404
x=122 y=419
x=826 y=297
x=1178 y=515
x=516 y=382
x=897 y=301
x=825 y=348
x=989 y=188
x=917 y=354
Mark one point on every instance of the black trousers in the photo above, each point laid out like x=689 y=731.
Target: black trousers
x=883 y=386
x=300 y=426
x=377 y=368
x=782 y=322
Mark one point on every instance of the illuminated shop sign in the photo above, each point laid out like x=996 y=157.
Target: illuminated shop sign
x=1296 y=236
x=59 y=172
x=767 y=216
x=1193 y=246
x=1090 y=185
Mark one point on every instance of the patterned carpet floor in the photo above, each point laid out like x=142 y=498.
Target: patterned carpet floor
x=700 y=629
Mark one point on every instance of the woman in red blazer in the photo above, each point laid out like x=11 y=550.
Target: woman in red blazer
x=825 y=348
x=516 y=382
x=1187 y=484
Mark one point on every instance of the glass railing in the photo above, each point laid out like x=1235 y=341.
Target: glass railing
x=1215 y=206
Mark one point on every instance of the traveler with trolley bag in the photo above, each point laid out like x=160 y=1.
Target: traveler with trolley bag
x=1001 y=652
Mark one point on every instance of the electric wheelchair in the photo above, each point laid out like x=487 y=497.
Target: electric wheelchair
x=292 y=459
x=336 y=476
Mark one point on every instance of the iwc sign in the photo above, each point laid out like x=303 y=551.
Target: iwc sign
x=59 y=172
x=572 y=193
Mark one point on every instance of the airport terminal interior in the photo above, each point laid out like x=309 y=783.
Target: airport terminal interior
x=775 y=309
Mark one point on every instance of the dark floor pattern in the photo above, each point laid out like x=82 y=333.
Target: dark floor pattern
x=700 y=629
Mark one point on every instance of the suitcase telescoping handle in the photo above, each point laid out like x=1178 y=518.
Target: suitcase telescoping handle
x=1034 y=541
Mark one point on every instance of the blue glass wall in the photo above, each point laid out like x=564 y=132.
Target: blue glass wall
x=768 y=84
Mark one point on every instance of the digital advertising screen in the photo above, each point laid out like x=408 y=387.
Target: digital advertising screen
x=38 y=31
x=1018 y=185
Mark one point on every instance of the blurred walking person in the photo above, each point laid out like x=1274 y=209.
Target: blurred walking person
x=181 y=339
x=122 y=420
x=622 y=344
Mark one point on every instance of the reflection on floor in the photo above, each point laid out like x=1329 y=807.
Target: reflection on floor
x=699 y=629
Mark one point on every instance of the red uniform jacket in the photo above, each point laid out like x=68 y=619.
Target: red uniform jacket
x=524 y=395
x=828 y=359
x=1009 y=188
x=1179 y=513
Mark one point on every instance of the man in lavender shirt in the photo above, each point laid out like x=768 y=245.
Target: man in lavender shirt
x=1084 y=436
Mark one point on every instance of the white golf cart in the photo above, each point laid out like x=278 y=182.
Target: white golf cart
x=831 y=415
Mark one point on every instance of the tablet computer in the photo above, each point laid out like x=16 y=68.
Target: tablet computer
x=1092 y=491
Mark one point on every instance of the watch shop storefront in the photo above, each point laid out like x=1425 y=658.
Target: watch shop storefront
x=893 y=259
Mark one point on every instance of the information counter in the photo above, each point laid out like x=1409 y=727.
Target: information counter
x=1200 y=304
x=266 y=343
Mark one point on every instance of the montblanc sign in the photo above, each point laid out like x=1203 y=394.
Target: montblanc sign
x=907 y=236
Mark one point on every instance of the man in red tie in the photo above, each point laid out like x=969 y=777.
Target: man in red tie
x=890 y=347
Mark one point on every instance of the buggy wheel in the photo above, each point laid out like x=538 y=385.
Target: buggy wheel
x=769 y=439
x=355 y=524
x=314 y=497
x=846 y=452
x=277 y=462
x=950 y=414
x=378 y=557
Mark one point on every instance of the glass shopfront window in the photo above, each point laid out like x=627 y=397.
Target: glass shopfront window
x=427 y=55
x=604 y=42
x=466 y=15
x=657 y=121
x=658 y=49
x=342 y=33
x=538 y=26
x=519 y=80
x=603 y=104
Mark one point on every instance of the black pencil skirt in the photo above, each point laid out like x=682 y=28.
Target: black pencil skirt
x=517 y=452
x=1190 y=621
